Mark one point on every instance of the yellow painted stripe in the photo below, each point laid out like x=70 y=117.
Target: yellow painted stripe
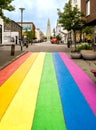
x=10 y=87
x=20 y=113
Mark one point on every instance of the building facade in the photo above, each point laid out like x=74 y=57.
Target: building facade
x=88 y=7
x=12 y=32
x=76 y=3
x=39 y=35
x=61 y=32
x=27 y=26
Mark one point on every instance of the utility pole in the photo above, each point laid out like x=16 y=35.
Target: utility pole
x=21 y=9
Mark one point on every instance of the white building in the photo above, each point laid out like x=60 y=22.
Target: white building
x=76 y=3
x=1 y=31
x=10 y=37
x=59 y=29
x=61 y=32
x=39 y=34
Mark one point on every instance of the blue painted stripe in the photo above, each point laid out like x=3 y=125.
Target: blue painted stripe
x=77 y=113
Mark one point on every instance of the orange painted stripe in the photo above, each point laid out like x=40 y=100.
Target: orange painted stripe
x=10 y=87
x=20 y=113
x=11 y=68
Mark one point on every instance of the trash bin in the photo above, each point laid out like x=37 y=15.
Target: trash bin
x=12 y=50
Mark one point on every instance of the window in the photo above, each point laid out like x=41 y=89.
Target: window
x=88 y=8
x=75 y=1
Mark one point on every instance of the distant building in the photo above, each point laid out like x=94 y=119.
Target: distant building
x=27 y=26
x=1 y=31
x=39 y=34
x=76 y=3
x=61 y=32
x=48 y=32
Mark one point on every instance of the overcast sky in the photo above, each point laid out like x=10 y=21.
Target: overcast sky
x=37 y=11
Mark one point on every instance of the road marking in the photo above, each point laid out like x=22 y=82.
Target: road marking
x=11 y=68
x=49 y=114
x=20 y=113
x=10 y=87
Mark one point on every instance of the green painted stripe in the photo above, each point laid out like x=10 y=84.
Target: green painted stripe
x=48 y=114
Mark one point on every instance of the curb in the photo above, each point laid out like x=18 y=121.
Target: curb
x=8 y=63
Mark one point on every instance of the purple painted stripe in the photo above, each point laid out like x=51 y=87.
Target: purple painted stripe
x=85 y=84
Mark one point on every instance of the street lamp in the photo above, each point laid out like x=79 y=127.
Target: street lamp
x=21 y=9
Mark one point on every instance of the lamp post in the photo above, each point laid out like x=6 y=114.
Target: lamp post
x=21 y=9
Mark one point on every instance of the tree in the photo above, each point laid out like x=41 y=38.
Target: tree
x=30 y=35
x=58 y=37
x=71 y=19
x=5 y=5
x=88 y=32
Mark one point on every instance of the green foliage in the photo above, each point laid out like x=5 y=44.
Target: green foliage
x=71 y=18
x=58 y=37
x=64 y=16
x=5 y=5
x=84 y=47
x=30 y=35
x=87 y=30
x=51 y=37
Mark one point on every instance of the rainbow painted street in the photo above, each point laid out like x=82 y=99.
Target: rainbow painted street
x=46 y=91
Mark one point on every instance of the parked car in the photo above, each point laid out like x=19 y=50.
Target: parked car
x=54 y=41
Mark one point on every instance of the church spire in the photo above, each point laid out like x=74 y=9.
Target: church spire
x=48 y=33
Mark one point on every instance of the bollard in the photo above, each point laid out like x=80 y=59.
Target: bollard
x=26 y=45
x=21 y=46
x=12 y=50
x=68 y=44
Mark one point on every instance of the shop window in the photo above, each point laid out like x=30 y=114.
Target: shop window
x=88 y=7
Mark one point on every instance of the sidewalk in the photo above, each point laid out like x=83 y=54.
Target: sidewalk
x=5 y=55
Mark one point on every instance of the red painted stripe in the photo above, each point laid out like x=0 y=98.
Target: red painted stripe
x=11 y=68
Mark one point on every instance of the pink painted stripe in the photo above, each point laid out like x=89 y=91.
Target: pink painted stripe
x=11 y=68
x=85 y=84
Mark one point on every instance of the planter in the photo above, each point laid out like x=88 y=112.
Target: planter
x=88 y=54
x=75 y=55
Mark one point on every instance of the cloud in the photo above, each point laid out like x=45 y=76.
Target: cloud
x=23 y=3
x=37 y=11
